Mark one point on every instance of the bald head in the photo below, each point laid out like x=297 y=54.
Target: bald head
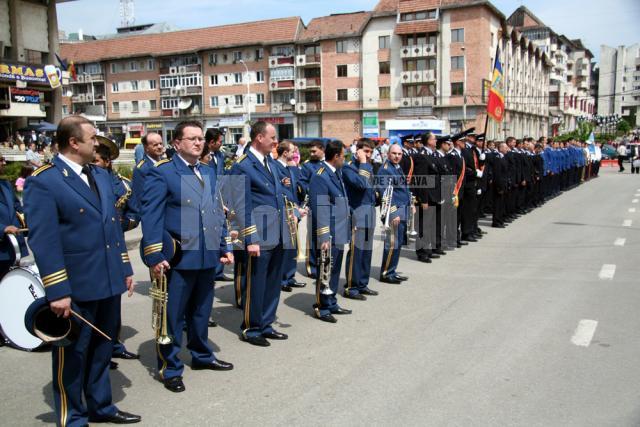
x=395 y=154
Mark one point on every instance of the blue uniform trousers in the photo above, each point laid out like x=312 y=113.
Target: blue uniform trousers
x=289 y=266
x=326 y=304
x=190 y=300
x=391 y=252
x=358 y=262
x=239 y=275
x=86 y=358
x=312 y=246
x=262 y=295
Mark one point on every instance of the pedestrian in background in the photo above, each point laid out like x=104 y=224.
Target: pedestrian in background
x=622 y=155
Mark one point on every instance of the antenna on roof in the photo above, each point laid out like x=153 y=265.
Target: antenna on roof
x=127 y=13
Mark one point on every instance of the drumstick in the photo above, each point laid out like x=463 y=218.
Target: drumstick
x=91 y=325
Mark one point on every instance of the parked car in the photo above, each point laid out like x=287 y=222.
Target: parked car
x=609 y=152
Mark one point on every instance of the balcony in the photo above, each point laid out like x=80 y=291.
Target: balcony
x=420 y=76
x=584 y=85
x=418 y=51
x=275 y=84
x=182 y=69
x=308 y=83
x=422 y=101
x=281 y=61
x=583 y=72
x=308 y=60
x=88 y=78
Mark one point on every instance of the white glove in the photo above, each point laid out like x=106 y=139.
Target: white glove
x=482 y=156
x=479 y=192
x=478 y=173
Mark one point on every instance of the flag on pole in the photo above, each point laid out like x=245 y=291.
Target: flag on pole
x=72 y=71
x=495 y=106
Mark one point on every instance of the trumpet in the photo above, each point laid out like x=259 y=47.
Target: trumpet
x=290 y=208
x=324 y=270
x=385 y=208
x=412 y=215
x=160 y=294
x=228 y=216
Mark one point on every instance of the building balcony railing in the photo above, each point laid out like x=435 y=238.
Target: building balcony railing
x=88 y=97
x=88 y=78
x=281 y=61
x=420 y=76
x=308 y=83
x=277 y=108
x=308 y=60
x=181 y=69
x=282 y=84
x=418 y=51
x=422 y=101
x=308 y=107
x=181 y=91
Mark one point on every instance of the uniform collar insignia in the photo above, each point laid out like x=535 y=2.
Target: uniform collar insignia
x=65 y=173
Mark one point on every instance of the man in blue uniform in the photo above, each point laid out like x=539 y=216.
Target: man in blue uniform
x=358 y=180
x=391 y=174
x=290 y=174
x=331 y=226
x=308 y=169
x=259 y=208
x=179 y=199
x=153 y=153
x=81 y=254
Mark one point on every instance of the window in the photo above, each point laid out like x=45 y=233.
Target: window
x=151 y=64
x=342 y=70
x=457 y=62
x=260 y=98
x=133 y=66
x=385 y=92
x=213 y=58
x=457 y=89
x=239 y=99
x=259 y=76
x=134 y=107
x=384 y=67
x=213 y=80
x=343 y=95
x=384 y=42
x=153 y=84
x=213 y=102
x=341 y=46
x=237 y=55
x=417 y=16
x=259 y=54
x=134 y=85
x=153 y=105
x=237 y=77
x=115 y=107
x=65 y=109
x=114 y=87
x=169 y=103
x=457 y=36
x=113 y=68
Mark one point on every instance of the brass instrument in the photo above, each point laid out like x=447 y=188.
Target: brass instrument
x=228 y=216
x=324 y=271
x=290 y=208
x=385 y=208
x=160 y=294
x=412 y=215
x=122 y=201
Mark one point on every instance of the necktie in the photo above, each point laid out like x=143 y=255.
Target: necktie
x=92 y=182
x=266 y=164
x=195 y=170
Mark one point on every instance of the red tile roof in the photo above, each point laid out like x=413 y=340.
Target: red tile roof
x=386 y=7
x=269 y=32
x=335 y=26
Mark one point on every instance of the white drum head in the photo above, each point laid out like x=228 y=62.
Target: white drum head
x=18 y=289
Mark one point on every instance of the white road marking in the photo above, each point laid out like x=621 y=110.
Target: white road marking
x=627 y=223
x=607 y=272
x=620 y=241
x=584 y=332
x=632 y=210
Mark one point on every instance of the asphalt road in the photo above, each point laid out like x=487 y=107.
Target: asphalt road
x=535 y=325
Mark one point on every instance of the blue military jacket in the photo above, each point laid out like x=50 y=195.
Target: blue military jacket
x=308 y=169
x=358 y=179
x=128 y=212
x=329 y=207
x=75 y=235
x=258 y=201
x=174 y=200
x=401 y=195
x=10 y=208
x=137 y=180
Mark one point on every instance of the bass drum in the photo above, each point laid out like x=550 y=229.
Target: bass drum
x=18 y=289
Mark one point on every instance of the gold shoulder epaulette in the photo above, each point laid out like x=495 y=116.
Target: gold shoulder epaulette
x=140 y=163
x=306 y=161
x=162 y=162
x=320 y=171
x=41 y=169
x=241 y=158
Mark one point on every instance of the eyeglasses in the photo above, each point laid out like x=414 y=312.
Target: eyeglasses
x=193 y=139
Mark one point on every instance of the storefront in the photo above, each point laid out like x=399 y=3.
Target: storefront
x=399 y=128
x=156 y=127
x=283 y=124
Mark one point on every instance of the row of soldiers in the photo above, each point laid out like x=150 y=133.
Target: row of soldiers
x=197 y=217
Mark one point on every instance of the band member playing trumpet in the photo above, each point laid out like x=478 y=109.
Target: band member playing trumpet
x=80 y=251
x=391 y=175
x=307 y=171
x=331 y=226
x=180 y=199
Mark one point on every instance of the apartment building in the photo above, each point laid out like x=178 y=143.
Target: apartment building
x=570 y=93
x=619 y=82
x=407 y=66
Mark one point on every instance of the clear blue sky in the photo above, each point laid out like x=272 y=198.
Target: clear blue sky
x=596 y=22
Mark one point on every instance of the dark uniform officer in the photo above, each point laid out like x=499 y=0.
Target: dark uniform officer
x=260 y=215
x=153 y=153
x=500 y=182
x=81 y=254
x=331 y=226
x=308 y=169
x=359 y=182
x=179 y=199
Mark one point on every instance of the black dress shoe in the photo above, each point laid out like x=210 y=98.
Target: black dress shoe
x=287 y=288
x=120 y=417
x=434 y=256
x=275 y=335
x=401 y=278
x=498 y=225
x=127 y=355
x=391 y=279
x=367 y=291
x=174 y=384
x=113 y=365
x=224 y=278
x=260 y=341
x=216 y=365
x=341 y=311
x=439 y=252
x=355 y=296
x=462 y=243
x=328 y=318
x=425 y=259
x=469 y=240
x=212 y=323
x=297 y=284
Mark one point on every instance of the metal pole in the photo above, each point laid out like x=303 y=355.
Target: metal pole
x=464 y=90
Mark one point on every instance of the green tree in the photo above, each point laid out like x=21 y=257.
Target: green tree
x=623 y=127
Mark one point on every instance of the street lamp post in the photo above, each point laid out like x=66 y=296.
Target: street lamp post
x=93 y=94
x=464 y=89
x=248 y=93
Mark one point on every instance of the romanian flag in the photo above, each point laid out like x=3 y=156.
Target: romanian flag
x=495 y=106
x=72 y=71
